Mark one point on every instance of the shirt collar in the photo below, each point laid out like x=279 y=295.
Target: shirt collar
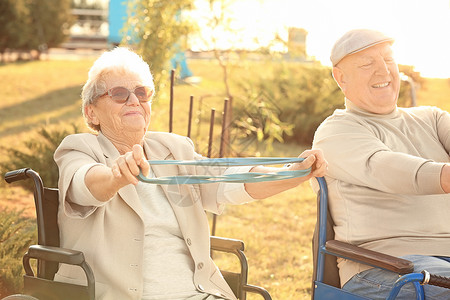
x=353 y=108
x=154 y=149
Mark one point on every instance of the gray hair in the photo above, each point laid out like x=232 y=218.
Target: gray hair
x=120 y=61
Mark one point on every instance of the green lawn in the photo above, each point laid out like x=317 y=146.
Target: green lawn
x=277 y=231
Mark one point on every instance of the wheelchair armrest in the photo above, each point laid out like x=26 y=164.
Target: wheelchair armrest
x=257 y=290
x=41 y=286
x=237 y=281
x=372 y=258
x=226 y=244
x=61 y=255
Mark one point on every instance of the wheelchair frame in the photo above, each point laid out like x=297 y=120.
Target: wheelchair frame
x=326 y=249
x=49 y=255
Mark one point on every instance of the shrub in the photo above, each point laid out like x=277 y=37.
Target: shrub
x=17 y=233
x=38 y=155
x=298 y=95
x=259 y=121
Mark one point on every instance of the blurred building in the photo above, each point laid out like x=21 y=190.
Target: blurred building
x=297 y=43
x=91 y=28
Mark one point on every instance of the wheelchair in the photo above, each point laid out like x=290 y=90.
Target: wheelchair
x=49 y=255
x=326 y=283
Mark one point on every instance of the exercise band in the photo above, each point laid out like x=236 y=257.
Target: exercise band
x=227 y=162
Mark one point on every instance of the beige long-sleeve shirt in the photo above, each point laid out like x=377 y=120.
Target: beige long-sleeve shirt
x=384 y=180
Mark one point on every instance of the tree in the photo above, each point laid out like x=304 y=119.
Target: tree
x=7 y=12
x=154 y=28
x=10 y=15
x=222 y=37
x=33 y=24
x=219 y=29
x=50 y=23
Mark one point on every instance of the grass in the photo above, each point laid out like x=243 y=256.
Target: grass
x=277 y=231
x=39 y=93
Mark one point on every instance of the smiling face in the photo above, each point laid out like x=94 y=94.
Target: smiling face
x=121 y=121
x=370 y=79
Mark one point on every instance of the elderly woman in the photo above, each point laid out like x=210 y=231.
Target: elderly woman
x=143 y=241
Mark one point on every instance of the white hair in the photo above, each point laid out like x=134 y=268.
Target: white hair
x=119 y=61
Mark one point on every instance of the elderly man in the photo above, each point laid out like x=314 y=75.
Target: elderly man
x=388 y=175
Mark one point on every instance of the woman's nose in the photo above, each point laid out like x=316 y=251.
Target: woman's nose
x=132 y=99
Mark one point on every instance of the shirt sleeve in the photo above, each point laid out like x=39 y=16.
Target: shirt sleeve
x=216 y=195
x=74 y=157
x=356 y=156
x=443 y=127
x=78 y=189
x=234 y=193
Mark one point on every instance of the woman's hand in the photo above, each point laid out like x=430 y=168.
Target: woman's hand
x=126 y=167
x=104 y=182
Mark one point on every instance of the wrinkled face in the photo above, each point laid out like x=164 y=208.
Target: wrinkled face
x=116 y=119
x=370 y=79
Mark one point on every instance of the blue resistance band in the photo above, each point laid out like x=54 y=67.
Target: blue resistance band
x=227 y=162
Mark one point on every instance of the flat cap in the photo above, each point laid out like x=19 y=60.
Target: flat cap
x=356 y=40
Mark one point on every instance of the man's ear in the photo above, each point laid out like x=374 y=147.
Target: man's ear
x=339 y=77
x=91 y=115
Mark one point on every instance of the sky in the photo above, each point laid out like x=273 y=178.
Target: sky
x=421 y=28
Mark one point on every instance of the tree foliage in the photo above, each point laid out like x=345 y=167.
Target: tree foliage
x=298 y=96
x=11 y=12
x=218 y=24
x=51 y=21
x=156 y=28
x=34 y=24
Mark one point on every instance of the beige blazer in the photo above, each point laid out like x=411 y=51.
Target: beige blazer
x=111 y=234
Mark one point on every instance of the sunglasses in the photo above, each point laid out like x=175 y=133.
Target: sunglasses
x=120 y=94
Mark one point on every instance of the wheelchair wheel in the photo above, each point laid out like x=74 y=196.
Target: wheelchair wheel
x=20 y=297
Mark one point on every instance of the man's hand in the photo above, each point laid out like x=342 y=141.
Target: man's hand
x=315 y=160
